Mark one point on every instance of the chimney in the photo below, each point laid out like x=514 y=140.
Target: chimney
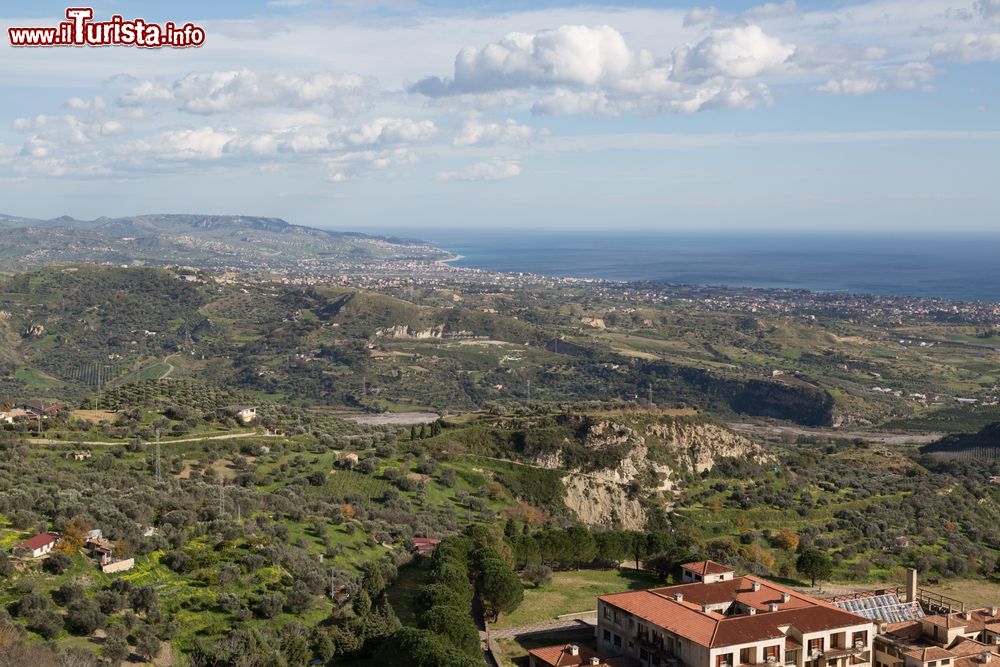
x=753 y=611
x=755 y=586
x=679 y=597
x=594 y=660
x=574 y=650
x=911 y=585
x=985 y=657
x=967 y=615
x=994 y=611
x=773 y=606
x=705 y=608
x=785 y=597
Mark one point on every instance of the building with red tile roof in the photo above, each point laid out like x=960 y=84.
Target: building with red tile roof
x=571 y=655
x=967 y=638
x=37 y=546
x=726 y=621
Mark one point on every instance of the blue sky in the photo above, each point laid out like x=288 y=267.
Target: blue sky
x=558 y=115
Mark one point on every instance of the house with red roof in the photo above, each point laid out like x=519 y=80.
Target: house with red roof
x=571 y=655
x=425 y=545
x=37 y=546
x=723 y=620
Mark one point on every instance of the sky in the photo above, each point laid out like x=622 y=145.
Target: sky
x=785 y=115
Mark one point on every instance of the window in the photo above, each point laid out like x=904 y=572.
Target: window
x=607 y=611
x=932 y=663
x=861 y=636
x=745 y=656
x=772 y=652
x=724 y=659
x=617 y=616
x=607 y=635
x=816 y=644
x=618 y=641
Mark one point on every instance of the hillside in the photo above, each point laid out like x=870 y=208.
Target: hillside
x=984 y=445
x=615 y=469
x=70 y=332
x=207 y=241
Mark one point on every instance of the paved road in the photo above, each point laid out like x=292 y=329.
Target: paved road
x=539 y=628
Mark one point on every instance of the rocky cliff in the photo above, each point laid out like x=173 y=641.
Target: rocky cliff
x=619 y=466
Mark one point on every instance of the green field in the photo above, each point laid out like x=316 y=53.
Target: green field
x=572 y=592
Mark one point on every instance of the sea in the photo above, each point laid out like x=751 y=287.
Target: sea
x=956 y=266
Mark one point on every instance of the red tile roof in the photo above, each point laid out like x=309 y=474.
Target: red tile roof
x=741 y=590
x=704 y=567
x=926 y=653
x=38 y=541
x=686 y=618
x=560 y=656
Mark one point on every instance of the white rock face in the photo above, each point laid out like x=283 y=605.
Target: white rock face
x=613 y=496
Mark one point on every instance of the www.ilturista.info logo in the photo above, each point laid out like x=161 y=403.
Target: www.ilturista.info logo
x=80 y=30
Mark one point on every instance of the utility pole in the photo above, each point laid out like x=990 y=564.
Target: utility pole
x=158 y=474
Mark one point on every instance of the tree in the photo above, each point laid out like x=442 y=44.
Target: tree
x=84 y=617
x=46 y=623
x=270 y=605
x=432 y=595
x=454 y=625
x=147 y=644
x=814 y=564
x=115 y=650
x=788 y=539
x=423 y=648
x=499 y=588
x=144 y=599
x=74 y=534
x=539 y=575
x=57 y=563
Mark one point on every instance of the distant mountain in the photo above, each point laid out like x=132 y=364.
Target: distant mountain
x=207 y=241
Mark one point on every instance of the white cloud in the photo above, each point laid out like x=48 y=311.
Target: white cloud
x=739 y=53
x=204 y=143
x=351 y=165
x=772 y=9
x=226 y=91
x=477 y=133
x=391 y=131
x=483 y=171
x=911 y=76
x=566 y=102
x=700 y=15
x=570 y=54
x=970 y=48
x=593 y=70
x=80 y=104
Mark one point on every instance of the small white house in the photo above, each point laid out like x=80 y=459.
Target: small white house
x=244 y=413
x=37 y=546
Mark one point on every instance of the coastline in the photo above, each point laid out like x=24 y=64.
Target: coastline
x=453 y=258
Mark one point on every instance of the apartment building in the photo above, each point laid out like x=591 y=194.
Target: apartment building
x=718 y=619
